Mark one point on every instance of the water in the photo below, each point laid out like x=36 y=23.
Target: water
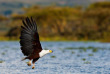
x=67 y=58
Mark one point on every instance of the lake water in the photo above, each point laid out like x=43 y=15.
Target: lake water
x=67 y=58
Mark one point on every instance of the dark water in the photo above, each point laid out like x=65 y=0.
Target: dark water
x=67 y=58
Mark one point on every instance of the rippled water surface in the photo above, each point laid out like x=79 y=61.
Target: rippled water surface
x=67 y=58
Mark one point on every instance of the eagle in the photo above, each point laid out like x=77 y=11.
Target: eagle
x=30 y=43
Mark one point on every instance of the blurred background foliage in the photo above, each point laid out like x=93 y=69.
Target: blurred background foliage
x=62 y=23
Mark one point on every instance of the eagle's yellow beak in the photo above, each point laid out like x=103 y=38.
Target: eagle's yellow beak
x=50 y=51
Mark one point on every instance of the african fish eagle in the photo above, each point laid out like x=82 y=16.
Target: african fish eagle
x=29 y=42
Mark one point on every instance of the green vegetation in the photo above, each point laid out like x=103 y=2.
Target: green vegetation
x=53 y=56
x=1 y=61
x=70 y=48
x=73 y=52
x=95 y=50
x=87 y=62
x=90 y=54
x=84 y=59
x=65 y=23
x=3 y=53
x=82 y=49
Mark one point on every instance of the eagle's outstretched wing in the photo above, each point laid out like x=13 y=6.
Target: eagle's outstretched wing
x=29 y=39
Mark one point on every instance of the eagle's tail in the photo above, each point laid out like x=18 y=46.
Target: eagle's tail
x=24 y=58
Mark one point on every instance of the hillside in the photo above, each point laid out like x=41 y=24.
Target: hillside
x=62 y=23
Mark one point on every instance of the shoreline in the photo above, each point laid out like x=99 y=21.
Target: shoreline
x=56 y=39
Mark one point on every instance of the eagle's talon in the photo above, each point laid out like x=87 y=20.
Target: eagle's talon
x=29 y=64
x=33 y=67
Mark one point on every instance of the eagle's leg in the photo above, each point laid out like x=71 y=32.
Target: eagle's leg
x=34 y=60
x=29 y=63
x=33 y=66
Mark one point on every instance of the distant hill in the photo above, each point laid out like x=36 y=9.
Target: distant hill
x=35 y=1
x=8 y=7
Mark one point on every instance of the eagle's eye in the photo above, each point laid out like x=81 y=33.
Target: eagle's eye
x=50 y=51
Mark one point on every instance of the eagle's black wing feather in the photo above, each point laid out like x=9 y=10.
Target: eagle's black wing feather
x=29 y=39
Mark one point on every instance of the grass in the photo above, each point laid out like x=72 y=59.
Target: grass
x=84 y=59
x=3 y=53
x=73 y=52
x=1 y=61
x=90 y=47
x=95 y=50
x=55 y=38
x=87 y=62
x=90 y=54
x=70 y=48
x=3 y=38
x=53 y=56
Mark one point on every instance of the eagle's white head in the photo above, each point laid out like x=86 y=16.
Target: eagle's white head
x=44 y=52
